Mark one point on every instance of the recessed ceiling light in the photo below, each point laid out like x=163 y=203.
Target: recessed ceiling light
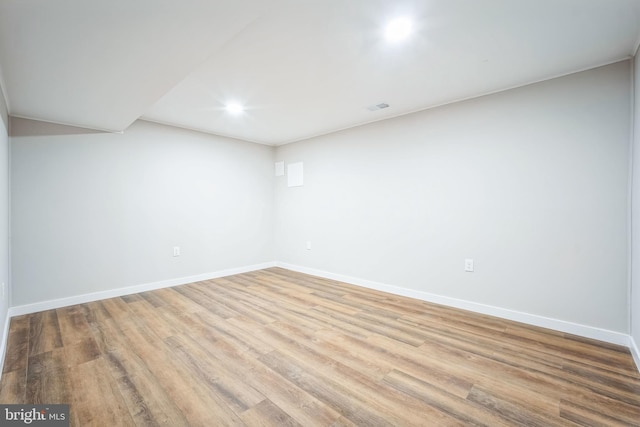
x=234 y=108
x=398 y=29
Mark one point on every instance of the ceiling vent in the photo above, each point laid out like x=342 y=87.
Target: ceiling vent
x=378 y=107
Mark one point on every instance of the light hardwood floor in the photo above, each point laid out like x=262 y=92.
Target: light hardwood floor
x=278 y=348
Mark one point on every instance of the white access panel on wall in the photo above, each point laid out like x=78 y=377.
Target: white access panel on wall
x=279 y=168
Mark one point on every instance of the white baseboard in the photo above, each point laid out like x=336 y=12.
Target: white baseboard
x=5 y=339
x=559 y=325
x=112 y=293
x=635 y=352
x=531 y=319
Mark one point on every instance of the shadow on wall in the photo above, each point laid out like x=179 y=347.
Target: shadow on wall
x=26 y=127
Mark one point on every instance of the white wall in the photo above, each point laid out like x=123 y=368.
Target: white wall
x=635 y=217
x=98 y=211
x=3 y=109
x=532 y=183
x=4 y=223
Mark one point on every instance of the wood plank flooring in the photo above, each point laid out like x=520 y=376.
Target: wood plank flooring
x=278 y=348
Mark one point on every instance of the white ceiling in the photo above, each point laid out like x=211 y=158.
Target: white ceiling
x=301 y=67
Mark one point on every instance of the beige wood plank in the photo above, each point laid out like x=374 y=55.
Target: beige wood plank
x=44 y=332
x=266 y=414
x=390 y=355
x=148 y=402
x=48 y=379
x=338 y=346
x=459 y=408
x=343 y=422
x=13 y=388
x=81 y=352
x=117 y=308
x=300 y=405
x=586 y=416
x=340 y=377
x=17 y=345
x=516 y=413
x=334 y=395
x=73 y=325
x=100 y=402
x=150 y=318
x=204 y=300
x=229 y=386
x=190 y=393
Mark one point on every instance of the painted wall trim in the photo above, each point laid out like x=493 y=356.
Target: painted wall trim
x=559 y=325
x=3 y=344
x=112 y=293
x=531 y=319
x=635 y=352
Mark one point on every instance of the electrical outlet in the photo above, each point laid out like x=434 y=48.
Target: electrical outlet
x=468 y=265
x=176 y=251
x=308 y=246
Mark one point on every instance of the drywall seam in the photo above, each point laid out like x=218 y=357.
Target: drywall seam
x=112 y=293
x=531 y=319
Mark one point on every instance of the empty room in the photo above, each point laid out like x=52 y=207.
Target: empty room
x=320 y=213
